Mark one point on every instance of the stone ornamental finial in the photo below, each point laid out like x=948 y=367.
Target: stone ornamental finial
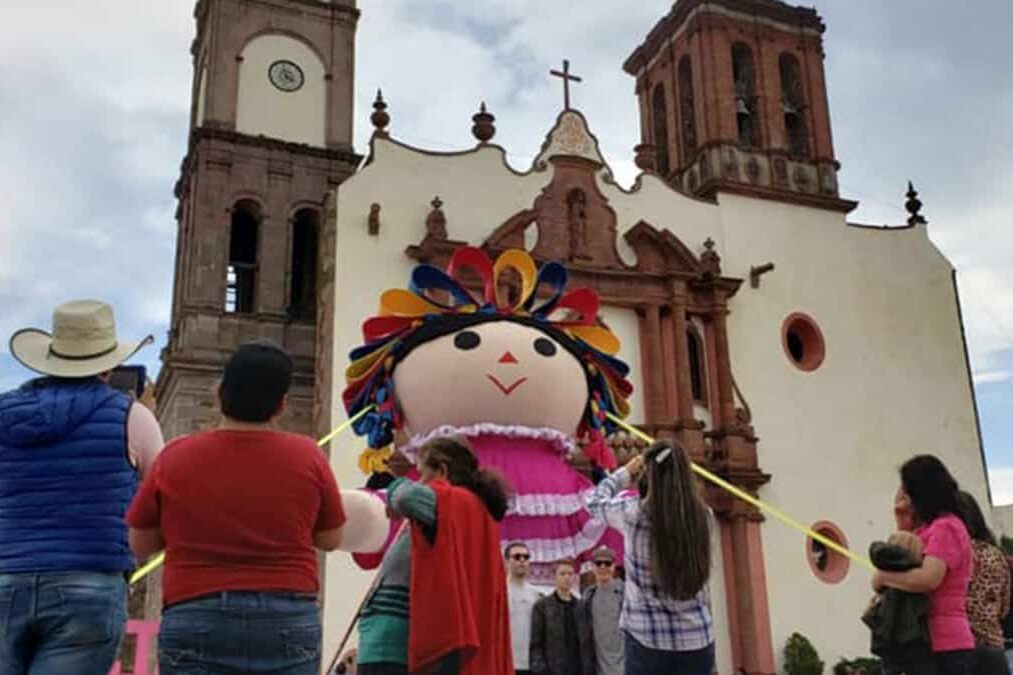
x=484 y=128
x=914 y=206
x=380 y=118
x=644 y=157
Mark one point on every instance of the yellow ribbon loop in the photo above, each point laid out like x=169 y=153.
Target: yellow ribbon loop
x=150 y=566
x=750 y=499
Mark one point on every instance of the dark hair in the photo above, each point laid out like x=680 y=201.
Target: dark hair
x=567 y=562
x=257 y=377
x=680 y=527
x=931 y=488
x=512 y=545
x=974 y=520
x=455 y=454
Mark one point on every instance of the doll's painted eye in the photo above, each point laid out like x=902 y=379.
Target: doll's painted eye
x=467 y=339
x=545 y=347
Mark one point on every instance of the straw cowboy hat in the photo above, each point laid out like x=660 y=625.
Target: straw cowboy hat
x=83 y=342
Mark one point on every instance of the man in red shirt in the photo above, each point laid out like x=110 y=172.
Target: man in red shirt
x=239 y=511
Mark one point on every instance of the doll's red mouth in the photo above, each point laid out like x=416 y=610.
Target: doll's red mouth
x=505 y=389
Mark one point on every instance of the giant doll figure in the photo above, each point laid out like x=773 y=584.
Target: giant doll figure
x=522 y=380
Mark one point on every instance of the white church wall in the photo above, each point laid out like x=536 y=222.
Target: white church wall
x=893 y=384
x=626 y=326
x=1001 y=519
x=691 y=220
x=264 y=110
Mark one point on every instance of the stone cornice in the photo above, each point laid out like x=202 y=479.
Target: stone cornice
x=346 y=156
x=772 y=10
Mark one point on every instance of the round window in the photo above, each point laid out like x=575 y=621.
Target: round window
x=827 y=564
x=803 y=342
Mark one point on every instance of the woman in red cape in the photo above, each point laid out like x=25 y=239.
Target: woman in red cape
x=458 y=611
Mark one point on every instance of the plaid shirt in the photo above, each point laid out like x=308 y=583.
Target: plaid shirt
x=656 y=621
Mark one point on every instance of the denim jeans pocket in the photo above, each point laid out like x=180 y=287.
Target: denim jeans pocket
x=91 y=614
x=179 y=648
x=302 y=643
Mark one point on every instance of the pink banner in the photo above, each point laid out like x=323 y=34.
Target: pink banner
x=145 y=632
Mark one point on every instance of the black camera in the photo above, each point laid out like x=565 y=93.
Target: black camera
x=129 y=379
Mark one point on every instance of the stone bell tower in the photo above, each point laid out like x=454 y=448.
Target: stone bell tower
x=270 y=134
x=733 y=98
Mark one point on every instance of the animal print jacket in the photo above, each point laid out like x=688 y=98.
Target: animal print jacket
x=988 y=597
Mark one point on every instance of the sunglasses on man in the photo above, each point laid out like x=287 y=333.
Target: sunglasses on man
x=521 y=557
x=603 y=563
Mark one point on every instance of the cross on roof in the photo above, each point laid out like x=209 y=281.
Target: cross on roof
x=567 y=78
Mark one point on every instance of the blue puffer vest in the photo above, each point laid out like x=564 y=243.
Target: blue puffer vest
x=65 y=478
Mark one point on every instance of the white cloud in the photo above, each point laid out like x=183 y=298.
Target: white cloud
x=992 y=376
x=986 y=294
x=94 y=98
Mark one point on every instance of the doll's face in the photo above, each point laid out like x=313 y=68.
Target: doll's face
x=501 y=372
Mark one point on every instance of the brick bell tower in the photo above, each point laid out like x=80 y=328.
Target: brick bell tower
x=733 y=98
x=270 y=134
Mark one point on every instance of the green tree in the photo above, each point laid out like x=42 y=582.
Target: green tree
x=800 y=657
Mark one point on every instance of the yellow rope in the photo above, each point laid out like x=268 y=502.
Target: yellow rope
x=148 y=567
x=750 y=499
x=155 y=562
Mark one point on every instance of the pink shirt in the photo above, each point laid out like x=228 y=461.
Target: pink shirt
x=144 y=437
x=946 y=538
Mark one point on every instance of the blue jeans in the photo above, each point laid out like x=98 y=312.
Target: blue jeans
x=55 y=623
x=241 y=632
x=641 y=660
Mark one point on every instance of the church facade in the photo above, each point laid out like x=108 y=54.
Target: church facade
x=797 y=355
x=807 y=385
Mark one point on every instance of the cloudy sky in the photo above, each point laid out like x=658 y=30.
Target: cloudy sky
x=93 y=125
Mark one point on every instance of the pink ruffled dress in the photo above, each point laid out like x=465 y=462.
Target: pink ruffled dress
x=548 y=511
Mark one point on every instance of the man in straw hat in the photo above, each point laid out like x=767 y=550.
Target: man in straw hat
x=71 y=449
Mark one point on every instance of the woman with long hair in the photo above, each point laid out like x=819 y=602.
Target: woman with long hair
x=927 y=501
x=440 y=605
x=989 y=593
x=666 y=616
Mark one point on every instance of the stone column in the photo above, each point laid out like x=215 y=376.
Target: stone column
x=689 y=429
x=273 y=264
x=209 y=229
x=746 y=591
x=726 y=395
x=679 y=327
x=653 y=371
x=669 y=345
x=324 y=396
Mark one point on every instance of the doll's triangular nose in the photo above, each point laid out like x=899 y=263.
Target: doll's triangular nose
x=508 y=358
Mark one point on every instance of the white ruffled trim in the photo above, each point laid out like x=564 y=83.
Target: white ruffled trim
x=549 y=550
x=562 y=442
x=548 y=504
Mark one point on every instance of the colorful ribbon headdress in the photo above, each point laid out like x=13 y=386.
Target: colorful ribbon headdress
x=438 y=302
